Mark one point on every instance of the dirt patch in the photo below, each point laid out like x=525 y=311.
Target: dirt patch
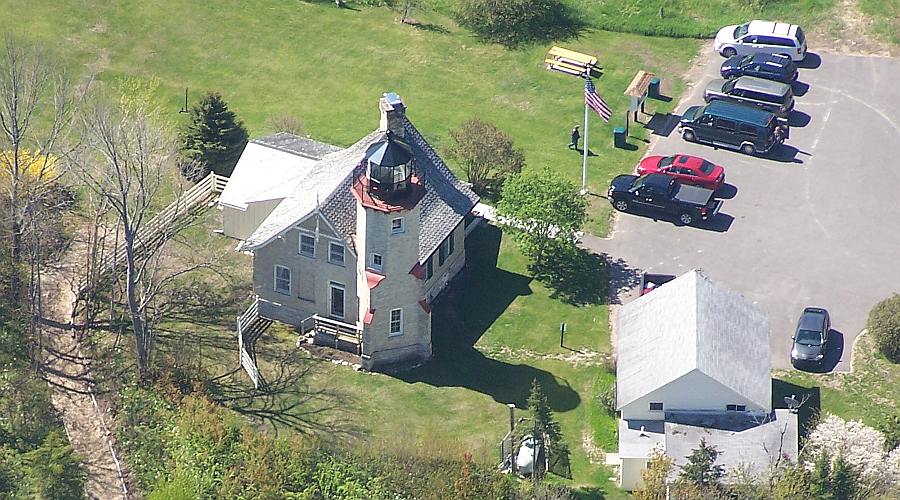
x=594 y=453
x=848 y=31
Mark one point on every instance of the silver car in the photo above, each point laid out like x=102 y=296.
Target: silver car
x=771 y=96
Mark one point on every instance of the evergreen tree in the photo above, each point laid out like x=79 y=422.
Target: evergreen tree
x=701 y=469
x=544 y=424
x=821 y=476
x=844 y=479
x=213 y=140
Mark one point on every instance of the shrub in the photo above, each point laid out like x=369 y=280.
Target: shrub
x=510 y=22
x=486 y=153
x=607 y=398
x=884 y=326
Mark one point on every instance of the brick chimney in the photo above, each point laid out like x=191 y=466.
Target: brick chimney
x=392 y=112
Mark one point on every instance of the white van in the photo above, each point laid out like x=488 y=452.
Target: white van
x=761 y=36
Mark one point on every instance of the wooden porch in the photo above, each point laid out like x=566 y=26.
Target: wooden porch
x=332 y=333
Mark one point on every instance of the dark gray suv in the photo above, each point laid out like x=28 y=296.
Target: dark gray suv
x=765 y=94
x=811 y=339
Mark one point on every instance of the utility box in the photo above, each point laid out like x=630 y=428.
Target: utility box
x=619 y=137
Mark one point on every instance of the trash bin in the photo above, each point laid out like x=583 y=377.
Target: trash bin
x=619 y=137
x=653 y=91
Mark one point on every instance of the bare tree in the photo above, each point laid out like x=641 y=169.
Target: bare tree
x=35 y=113
x=123 y=160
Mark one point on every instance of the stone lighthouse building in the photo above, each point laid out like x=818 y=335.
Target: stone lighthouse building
x=351 y=246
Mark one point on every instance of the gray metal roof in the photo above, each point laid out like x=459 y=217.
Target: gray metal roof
x=446 y=200
x=690 y=324
x=748 y=442
x=732 y=111
x=298 y=145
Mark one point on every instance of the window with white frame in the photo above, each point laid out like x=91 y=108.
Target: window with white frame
x=735 y=407
x=396 y=322
x=336 y=253
x=336 y=308
x=282 y=280
x=397 y=225
x=377 y=262
x=429 y=268
x=656 y=407
x=307 y=245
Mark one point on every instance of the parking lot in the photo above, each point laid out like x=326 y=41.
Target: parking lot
x=817 y=223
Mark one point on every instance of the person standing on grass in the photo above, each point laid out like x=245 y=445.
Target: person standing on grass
x=575 y=136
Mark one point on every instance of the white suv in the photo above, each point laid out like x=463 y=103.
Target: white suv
x=761 y=36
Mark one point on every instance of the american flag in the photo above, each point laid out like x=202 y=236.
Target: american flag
x=593 y=99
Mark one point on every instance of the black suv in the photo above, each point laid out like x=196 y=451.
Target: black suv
x=735 y=126
x=778 y=67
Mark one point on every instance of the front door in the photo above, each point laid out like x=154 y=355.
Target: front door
x=336 y=302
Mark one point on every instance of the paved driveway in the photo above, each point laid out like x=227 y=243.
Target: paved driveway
x=817 y=225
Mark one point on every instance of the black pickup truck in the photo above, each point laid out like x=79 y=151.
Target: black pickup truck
x=662 y=193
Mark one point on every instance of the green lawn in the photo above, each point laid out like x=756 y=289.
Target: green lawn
x=328 y=66
x=870 y=393
x=885 y=16
x=494 y=332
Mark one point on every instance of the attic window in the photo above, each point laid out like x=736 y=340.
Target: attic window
x=397 y=225
x=656 y=407
x=735 y=407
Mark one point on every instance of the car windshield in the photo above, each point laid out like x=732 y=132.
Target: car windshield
x=637 y=183
x=801 y=39
x=729 y=85
x=741 y=30
x=745 y=60
x=666 y=161
x=707 y=167
x=809 y=337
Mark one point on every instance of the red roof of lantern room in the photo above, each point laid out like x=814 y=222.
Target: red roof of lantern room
x=416 y=192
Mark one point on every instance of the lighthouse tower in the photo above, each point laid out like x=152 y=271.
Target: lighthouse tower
x=388 y=189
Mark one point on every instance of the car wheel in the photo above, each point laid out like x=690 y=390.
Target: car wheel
x=686 y=219
x=748 y=149
x=729 y=52
x=621 y=205
x=689 y=136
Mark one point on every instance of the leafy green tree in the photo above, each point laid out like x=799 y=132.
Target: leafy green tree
x=486 y=153
x=510 y=22
x=213 y=139
x=654 y=476
x=544 y=212
x=701 y=469
x=890 y=427
x=884 y=325
x=794 y=483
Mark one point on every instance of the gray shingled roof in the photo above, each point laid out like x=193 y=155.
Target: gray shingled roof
x=296 y=144
x=446 y=200
x=692 y=324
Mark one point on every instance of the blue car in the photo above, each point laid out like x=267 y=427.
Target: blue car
x=777 y=67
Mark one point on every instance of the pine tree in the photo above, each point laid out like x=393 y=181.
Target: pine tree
x=821 y=476
x=701 y=469
x=544 y=423
x=844 y=479
x=213 y=140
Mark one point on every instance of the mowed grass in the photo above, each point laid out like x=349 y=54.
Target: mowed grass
x=870 y=393
x=885 y=16
x=495 y=330
x=328 y=67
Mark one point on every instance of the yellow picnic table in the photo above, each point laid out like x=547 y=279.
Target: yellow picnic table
x=569 y=61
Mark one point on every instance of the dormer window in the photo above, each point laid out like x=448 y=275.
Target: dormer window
x=397 y=225
x=336 y=253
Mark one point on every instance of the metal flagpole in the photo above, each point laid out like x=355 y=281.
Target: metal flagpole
x=584 y=162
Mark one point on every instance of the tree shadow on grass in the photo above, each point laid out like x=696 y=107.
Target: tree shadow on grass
x=576 y=276
x=461 y=316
